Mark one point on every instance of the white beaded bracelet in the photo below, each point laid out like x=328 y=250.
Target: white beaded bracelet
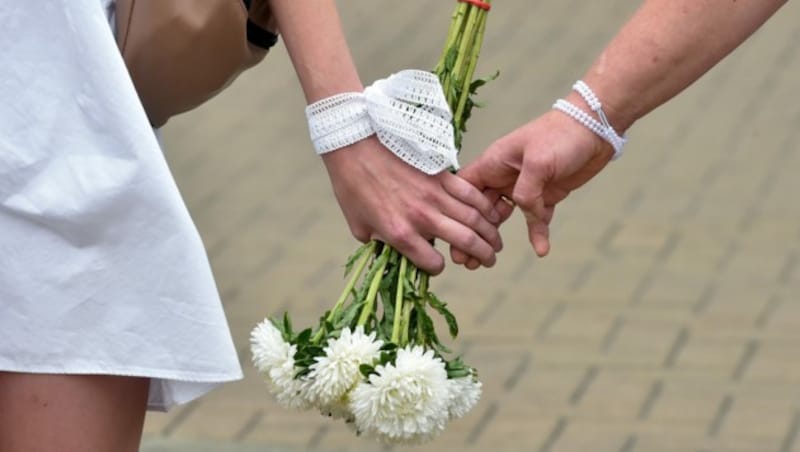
x=602 y=127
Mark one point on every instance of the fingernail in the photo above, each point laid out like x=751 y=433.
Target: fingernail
x=494 y=216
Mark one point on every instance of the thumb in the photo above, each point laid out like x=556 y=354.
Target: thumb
x=497 y=167
x=473 y=174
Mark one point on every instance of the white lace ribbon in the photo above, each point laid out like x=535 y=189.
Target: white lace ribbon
x=407 y=111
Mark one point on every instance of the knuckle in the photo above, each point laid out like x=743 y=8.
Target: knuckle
x=471 y=241
x=401 y=235
x=525 y=200
x=360 y=234
x=473 y=218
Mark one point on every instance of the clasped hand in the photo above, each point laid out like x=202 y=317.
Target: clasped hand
x=536 y=166
x=384 y=198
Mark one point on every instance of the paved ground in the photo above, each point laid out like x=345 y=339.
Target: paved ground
x=667 y=317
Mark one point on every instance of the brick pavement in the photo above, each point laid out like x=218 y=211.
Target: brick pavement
x=667 y=317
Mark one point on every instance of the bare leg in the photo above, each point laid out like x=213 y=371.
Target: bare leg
x=71 y=413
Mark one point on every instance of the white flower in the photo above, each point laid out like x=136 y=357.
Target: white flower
x=337 y=371
x=404 y=403
x=267 y=346
x=288 y=390
x=274 y=357
x=464 y=395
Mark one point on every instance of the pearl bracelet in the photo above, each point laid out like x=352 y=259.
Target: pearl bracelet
x=602 y=127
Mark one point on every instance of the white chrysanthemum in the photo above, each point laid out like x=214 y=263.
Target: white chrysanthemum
x=337 y=371
x=288 y=390
x=267 y=346
x=404 y=403
x=274 y=357
x=464 y=395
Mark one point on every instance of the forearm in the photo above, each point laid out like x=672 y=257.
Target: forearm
x=665 y=47
x=314 y=38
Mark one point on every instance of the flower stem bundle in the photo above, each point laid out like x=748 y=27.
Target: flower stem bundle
x=375 y=358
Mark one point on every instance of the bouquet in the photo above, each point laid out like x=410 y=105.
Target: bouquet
x=375 y=360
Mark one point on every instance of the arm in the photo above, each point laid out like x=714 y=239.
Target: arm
x=662 y=49
x=665 y=47
x=380 y=196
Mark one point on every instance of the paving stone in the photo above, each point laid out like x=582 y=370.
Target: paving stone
x=666 y=316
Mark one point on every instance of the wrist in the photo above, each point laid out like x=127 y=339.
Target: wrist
x=584 y=107
x=620 y=113
x=583 y=137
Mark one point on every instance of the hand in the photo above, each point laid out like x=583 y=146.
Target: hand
x=537 y=166
x=384 y=198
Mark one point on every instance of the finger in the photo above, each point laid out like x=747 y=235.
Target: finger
x=472 y=219
x=472 y=174
x=497 y=166
x=469 y=195
x=472 y=264
x=538 y=234
x=458 y=257
x=416 y=248
x=463 y=238
x=528 y=193
x=503 y=205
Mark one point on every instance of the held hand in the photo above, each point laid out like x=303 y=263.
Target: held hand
x=384 y=198
x=537 y=166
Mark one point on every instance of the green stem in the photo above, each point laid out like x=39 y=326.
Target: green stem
x=398 y=301
x=423 y=293
x=473 y=62
x=406 y=324
x=452 y=33
x=465 y=44
x=374 y=286
x=453 y=37
x=334 y=313
x=350 y=284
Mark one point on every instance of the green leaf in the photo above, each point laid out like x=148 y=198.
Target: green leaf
x=477 y=83
x=348 y=315
x=387 y=358
x=428 y=329
x=452 y=374
x=287 y=328
x=441 y=307
x=348 y=267
x=450 y=59
x=314 y=350
x=388 y=347
x=442 y=349
x=304 y=337
x=366 y=370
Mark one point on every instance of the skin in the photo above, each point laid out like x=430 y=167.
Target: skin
x=71 y=413
x=662 y=49
x=381 y=196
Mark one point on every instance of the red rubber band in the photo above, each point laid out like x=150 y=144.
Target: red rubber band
x=478 y=3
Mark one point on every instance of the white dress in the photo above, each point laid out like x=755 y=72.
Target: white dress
x=101 y=268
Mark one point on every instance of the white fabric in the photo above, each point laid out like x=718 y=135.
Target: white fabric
x=408 y=112
x=101 y=268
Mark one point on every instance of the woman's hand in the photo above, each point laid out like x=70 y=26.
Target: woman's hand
x=384 y=198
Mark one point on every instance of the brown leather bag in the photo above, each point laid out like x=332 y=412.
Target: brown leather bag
x=180 y=53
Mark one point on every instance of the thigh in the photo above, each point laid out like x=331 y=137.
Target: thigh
x=71 y=413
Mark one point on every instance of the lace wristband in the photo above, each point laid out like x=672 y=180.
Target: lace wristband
x=407 y=111
x=600 y=127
